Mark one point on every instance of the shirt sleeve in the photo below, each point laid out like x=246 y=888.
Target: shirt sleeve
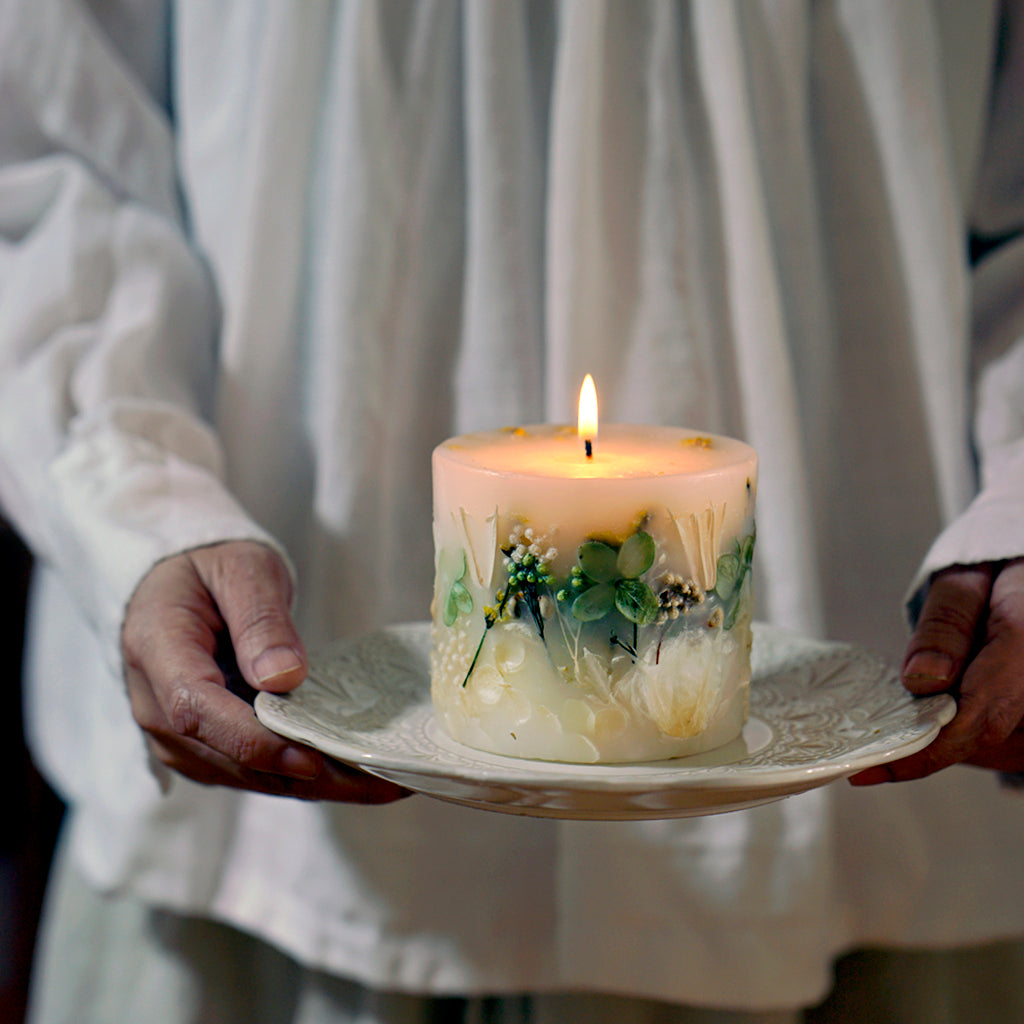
x=992 y=526
x=108 y=320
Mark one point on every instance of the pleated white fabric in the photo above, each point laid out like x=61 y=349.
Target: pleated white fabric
x=169 y=969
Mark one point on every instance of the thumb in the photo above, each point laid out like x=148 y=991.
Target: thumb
x=954 y=611
x=253 y=590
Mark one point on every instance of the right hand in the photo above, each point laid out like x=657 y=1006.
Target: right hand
x=193 y=615
x=969 y=641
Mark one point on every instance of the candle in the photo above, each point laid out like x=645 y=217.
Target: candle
x=592 y=608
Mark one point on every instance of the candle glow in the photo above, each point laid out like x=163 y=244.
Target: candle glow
x=586 y=422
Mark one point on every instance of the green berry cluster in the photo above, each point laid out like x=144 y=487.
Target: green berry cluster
x=574 y=585
x=528 y=571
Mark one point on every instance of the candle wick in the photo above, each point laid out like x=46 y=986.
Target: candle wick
x=589 y=447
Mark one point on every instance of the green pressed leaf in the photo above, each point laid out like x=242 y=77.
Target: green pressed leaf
x=727 y=575
x=459 y=599
x=732 y=614
x=463 y=598
x=599 y=561
x=636 y=601
x=594 y=603
x=452 y=564
x=747 y=549
x=451 y=608
x=636 y=556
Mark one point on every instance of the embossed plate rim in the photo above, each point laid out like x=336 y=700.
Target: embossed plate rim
x=794 y=680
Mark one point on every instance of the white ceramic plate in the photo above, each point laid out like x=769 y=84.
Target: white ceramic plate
x=818 y=712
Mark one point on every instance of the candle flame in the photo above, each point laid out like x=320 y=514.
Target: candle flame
x=586 y=424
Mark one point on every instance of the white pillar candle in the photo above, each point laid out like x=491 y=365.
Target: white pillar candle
x=592 y=609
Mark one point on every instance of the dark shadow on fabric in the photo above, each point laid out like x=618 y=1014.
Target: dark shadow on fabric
x=33 y=811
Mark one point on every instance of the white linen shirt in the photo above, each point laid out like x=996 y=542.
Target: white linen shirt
x=256 y=259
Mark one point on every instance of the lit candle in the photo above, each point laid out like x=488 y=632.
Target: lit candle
x=592 y=607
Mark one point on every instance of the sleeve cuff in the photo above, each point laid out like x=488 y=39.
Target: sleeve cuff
x=129 y=504
x=990 y=530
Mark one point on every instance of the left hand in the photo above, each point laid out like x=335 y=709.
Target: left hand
x=200 y=625
x=969 y=642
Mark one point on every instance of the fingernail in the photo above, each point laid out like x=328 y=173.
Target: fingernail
x=302 y=764
x=930 y=665
x=274 y=662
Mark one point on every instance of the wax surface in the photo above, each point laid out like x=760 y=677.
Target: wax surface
x=592 y=609
x=620 y=450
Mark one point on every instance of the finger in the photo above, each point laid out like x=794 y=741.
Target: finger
x=177 y=694
x=169 y=639
x=990 y=707
x=337 y=783
x=219 y=758
x=998 y=676
x=236 y=750
x=990 y=704
x=192 y=723
x=252 y=590
x=341 y=782
x=946 y=633
x=938 y=651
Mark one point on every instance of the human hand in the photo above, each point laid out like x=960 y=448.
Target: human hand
x=969 y=641
x=191 y=620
